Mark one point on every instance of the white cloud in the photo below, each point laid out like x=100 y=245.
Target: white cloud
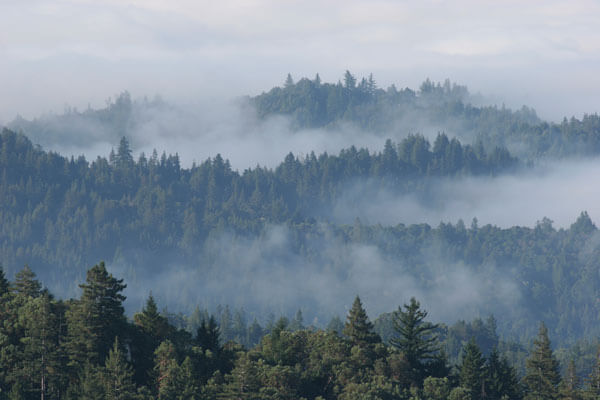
x=539 y=52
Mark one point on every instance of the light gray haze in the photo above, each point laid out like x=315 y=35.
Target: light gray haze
x=541 y=53
x=544 y=54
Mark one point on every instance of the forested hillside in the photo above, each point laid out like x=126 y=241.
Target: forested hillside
x=59 y=215
x=86 y=348
x=445 y=107
x=227 y=249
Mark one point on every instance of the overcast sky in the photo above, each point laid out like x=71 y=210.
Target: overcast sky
x=55 y=52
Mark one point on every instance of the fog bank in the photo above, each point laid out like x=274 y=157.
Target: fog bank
x=558 y=190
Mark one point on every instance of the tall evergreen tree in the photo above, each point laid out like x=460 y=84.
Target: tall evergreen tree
x=151 y=322
x=124 y=159
x=151 y=329
x=92 y=384
x=542 y=370
x=500 y=378
x=96 y=319
x=118 y=375
x=569 y=386
x=40 y=352
x=472 y=370
x=166 y=371
x=592 y=386
x=4 y=284
x=349 y=80
x=417 y=340
x=26 y=284
x=358 y=328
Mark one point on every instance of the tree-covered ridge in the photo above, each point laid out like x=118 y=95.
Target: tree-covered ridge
x=79 y=128
x=86 y=348
x=447 y=106
x=57 y=209
x=60 y=214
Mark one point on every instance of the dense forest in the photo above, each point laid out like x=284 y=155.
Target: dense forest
x=87 y=348
x=442 y=106
x=218 y=244
x=59 y=215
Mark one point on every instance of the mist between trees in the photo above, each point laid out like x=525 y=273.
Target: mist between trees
x=86 y=347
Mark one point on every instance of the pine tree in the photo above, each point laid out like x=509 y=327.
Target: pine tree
x=500 y=378
x=96 y=319
x=118 y=375
x=4 y=284
x=471 y=370
x=592 y=387
x=358 y=328
x=186 y=381
x=243 y=382
x=25 y=283
x=124 y=159
x=542 y=370
x=92 y=386
x=289 y=82
x=151 y=329
x=349 y=80
x=569 y=386
x=40 y=351
x=417 y=340
x=151 y=322
x=207 y=335
x=166 y=371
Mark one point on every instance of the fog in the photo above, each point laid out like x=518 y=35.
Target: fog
x=558 y=190
x=543 y=54
x=207 y=127
x=63 y=54
x=267 y=275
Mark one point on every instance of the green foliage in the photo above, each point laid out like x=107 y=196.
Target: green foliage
x=358 y=328
x=569 y=386
x=310 y=364
x=416 y=340
x=436 y=388
x=96 y=319
x=118 y=375
x=472 y=373
x=26 y=285
x=543 y=377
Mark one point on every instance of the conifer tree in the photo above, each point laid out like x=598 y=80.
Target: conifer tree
x=417 y=340
x=96 y=319
x=151 y=329
x=500 y=378
x=542 y=370
x=124 y=159
x=358 y=328
x=569 y=386
x=207 y=335
x=118 y=375
x=166 y=371
x=92 y=386
x=186 y=381
x=289 y=82
x=471 y=370
x=40 y=358
x=25 y=283
x=4 y=284
x=592 y=387
x=244 y=382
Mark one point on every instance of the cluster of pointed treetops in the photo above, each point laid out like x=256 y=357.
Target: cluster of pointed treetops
x=86 y=348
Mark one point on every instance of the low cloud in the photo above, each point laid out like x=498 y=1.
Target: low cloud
x=267 y=274
x=558 y=190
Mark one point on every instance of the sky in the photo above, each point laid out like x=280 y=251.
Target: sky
x=544 y=54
